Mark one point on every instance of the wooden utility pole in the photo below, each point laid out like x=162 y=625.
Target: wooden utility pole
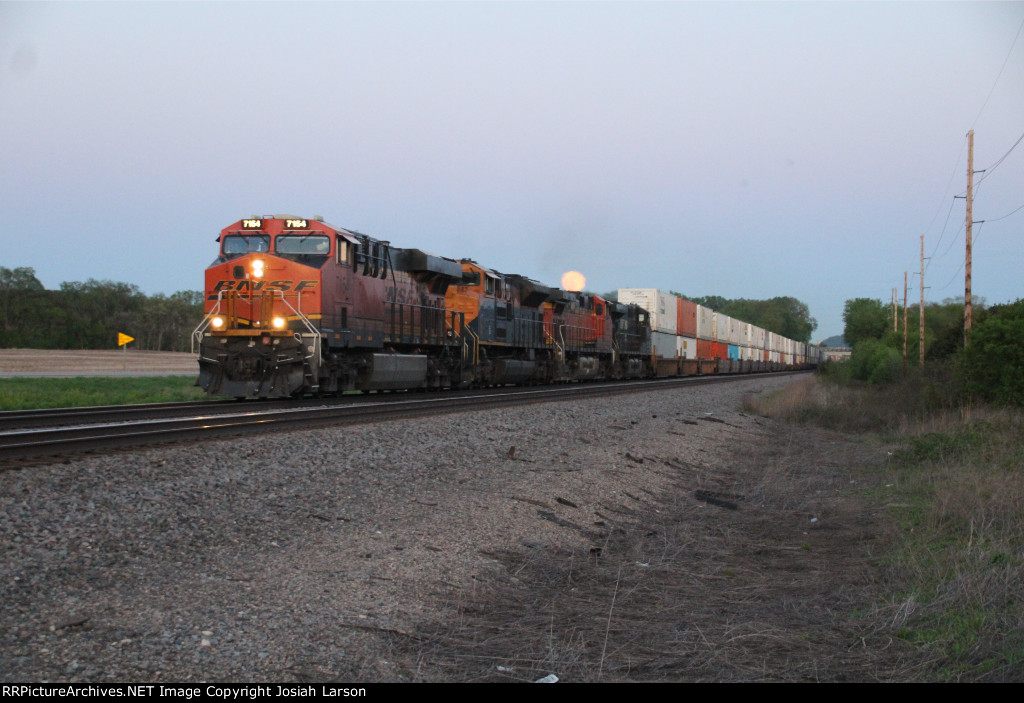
x=921 y=343
x=904 y=322
x=894 y=315
x=967 y=259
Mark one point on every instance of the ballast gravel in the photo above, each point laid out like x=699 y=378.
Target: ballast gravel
x=293 y=555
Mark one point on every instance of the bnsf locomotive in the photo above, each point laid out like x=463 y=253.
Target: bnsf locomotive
x=298 y=306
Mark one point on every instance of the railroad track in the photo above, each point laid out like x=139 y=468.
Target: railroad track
x=63 y=417
x=32 y=443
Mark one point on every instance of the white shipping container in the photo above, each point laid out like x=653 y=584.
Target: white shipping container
x=705 y=323
x=737 y=332
x=661 y=306
x=686 y=347
x=722 y=327
x=758 y=337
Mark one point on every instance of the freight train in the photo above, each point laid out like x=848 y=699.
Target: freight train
x=298 y=306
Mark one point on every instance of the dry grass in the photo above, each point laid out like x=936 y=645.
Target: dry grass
x=953 y=489
x=764 y=574
x=800 y=555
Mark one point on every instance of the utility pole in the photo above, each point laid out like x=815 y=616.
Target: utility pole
x=894 y=317
x=922 y=302
x=904 y=322
x=967 y=259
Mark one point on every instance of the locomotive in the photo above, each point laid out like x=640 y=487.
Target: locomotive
x=296 y=306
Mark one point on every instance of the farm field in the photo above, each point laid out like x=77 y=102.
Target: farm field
x=52 y=378
x=71 y=362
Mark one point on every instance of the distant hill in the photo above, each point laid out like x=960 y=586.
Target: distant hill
x=833 y=342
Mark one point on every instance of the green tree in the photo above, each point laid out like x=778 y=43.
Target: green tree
x=97 y=311
x=994 y=357
x=21 y=294
x=864 y=318
x=165 y=323
x=874 y=361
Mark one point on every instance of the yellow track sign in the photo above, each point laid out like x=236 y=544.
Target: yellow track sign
x=123 y=339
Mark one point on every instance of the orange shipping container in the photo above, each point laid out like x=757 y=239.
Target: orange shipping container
x=686 y=318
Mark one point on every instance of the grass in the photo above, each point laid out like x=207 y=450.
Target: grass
x=952 y=492
x=33 y=393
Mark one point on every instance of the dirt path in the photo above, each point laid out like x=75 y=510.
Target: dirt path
x=92 y=361
x=756 y=566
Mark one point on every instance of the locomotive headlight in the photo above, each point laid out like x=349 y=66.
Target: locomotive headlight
x=278 y=323
x=257 y=268
x=217 y=322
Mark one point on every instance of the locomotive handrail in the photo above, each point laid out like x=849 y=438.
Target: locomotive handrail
x=197 y=333
x=578 y=341
x=317 y=352
x=475 y=339
x=432 y=321
x=299 y=314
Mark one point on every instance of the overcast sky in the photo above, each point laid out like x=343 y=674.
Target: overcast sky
x=729 y=148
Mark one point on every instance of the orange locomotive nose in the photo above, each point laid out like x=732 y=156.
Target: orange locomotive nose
x=263 y=292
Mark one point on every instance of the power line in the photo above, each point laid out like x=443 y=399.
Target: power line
x=987 y=172
x=996 y=219
x=993 y=167
x=950 y=281
x=952 y=175
x=996 y=82
x=945 y=224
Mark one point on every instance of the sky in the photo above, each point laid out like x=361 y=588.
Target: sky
x=747 y=150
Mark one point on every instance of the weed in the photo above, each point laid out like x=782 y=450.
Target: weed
x=953 y=490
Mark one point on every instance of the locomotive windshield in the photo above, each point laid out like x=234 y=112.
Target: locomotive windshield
x=309 y=249
x=307 y=244
x=239 y=244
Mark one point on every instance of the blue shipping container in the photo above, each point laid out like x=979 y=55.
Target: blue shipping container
x=734 y=351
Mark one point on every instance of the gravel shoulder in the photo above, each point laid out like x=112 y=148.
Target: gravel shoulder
x=434 y=549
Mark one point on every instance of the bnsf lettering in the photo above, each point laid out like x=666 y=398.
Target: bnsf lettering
x=406 y=296
x=256 y=286
x=403 y=296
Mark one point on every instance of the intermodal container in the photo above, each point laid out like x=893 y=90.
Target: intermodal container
x=705 y=324
x=662 y=306
x=686 y=318
x=686 y=347
x=663 y=345
x=722 y=327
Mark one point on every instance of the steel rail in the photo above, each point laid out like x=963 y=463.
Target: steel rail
x=35 y=443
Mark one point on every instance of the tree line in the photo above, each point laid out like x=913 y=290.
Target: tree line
x=987 y=364
x=90 y=314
